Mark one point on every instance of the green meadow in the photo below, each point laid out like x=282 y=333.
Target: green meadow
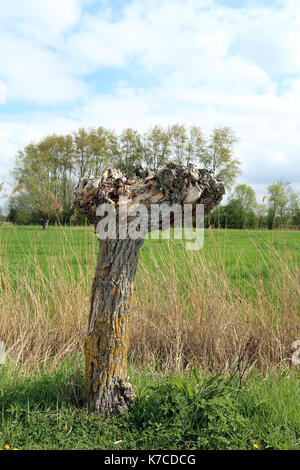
x=246 y=255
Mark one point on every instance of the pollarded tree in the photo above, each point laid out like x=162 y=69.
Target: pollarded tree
x=107 y=389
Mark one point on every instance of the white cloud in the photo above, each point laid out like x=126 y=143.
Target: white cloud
x=32 y=59
x=15 y=132
x=270 y=39
x=157 y=34
x=2 y=93
x=34 y=74
x=41 y=20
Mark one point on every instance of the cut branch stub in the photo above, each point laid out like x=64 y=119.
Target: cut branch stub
x=107 y=389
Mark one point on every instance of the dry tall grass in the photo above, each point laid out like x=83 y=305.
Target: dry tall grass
x=44 y=307
x=186 y=310
x=210 y=321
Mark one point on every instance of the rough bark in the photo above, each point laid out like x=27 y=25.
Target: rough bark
x=107 y=389
x=45 y=223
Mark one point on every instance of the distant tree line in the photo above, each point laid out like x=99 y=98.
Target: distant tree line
x=47 y=172
x=279 y=208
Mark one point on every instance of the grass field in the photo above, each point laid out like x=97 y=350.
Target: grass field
x=44 y=410
x=246 y=256
x=243 y=253
x=235 y=300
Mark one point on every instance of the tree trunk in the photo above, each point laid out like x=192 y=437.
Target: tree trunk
x=45 y=223
x=107 y=389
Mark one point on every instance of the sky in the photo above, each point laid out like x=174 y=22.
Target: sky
x=67 y=64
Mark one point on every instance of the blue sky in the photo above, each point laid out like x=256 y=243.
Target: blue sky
x=120 y=63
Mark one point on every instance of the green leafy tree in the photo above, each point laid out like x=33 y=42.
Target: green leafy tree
x=58 y=151
x=83 y=153
x=219 y=217
x=103 y=149
x=296 y=219
x=293 y=204
x=2 y=217
x=37 y=170
x=261 y=212
x=157 y=148
x=193 y=144
x=283 y=203
x=217 y=155
x=95 y=150
x=20 y=210
x=178 y=138
x=130 y=151
x=243 y=201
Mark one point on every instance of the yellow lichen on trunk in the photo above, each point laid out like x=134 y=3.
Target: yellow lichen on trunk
x=106 y=387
